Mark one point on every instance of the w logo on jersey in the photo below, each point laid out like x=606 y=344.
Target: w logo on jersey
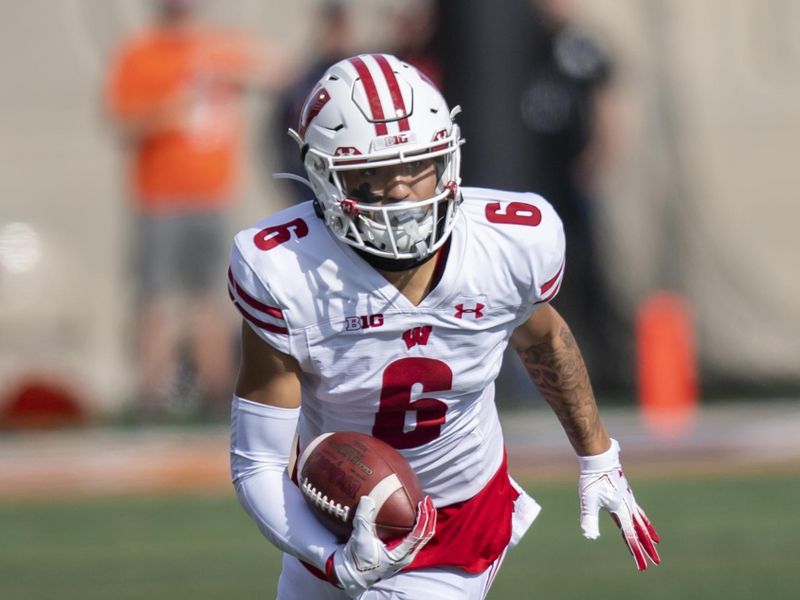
x=417 y=336
x=477 y=311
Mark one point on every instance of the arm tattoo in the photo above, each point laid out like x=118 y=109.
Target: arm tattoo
x=556 y=367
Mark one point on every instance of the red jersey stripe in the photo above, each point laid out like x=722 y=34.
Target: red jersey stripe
x=552 y=293
x=372 y=95
x=257 y=322
x=394 y=90
x=252 y=302
x=550 y=283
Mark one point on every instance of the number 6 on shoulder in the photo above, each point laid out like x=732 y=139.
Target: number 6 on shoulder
x=515 y=213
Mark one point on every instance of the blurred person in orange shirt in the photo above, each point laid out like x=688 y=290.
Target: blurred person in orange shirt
x=174 y=92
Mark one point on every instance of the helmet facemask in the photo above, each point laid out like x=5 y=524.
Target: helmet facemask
x=402 y=230
x=405 y=228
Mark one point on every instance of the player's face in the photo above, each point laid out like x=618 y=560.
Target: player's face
x=415 y=180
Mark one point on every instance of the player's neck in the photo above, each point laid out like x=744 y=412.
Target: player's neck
x=416 y=283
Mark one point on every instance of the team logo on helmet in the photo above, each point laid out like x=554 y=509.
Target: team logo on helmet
x=312 y=107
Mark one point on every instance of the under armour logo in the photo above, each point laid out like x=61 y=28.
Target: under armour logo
x=349 y=207
x=346 y=151
x=477 y=311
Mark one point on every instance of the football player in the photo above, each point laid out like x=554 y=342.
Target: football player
x=384 y=306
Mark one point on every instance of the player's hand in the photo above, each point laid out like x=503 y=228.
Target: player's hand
x=365 y=559
x=602 y=484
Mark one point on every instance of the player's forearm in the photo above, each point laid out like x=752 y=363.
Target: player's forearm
x=557 y=369
x=261 y=440
x=283 y=517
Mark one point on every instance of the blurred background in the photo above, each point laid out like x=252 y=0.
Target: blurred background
x=665 y=132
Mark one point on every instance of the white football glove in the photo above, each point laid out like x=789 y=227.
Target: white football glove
x=602 y=484
x=365 y=560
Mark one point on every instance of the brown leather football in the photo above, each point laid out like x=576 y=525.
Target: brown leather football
x=336 y=469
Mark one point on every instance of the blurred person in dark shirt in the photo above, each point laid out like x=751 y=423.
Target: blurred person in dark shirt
x=334 y=41
x=414 y=25
x=569 y=110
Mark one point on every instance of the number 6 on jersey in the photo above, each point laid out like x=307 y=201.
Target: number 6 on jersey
x=400 y=379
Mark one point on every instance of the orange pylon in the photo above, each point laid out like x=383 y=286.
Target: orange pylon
x=667 y=365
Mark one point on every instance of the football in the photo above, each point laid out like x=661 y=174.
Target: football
x=336 y=469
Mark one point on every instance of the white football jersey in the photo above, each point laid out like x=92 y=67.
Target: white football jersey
x=419 y=377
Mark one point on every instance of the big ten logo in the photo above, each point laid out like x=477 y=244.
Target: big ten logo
x=391 y=140
x=363 y=322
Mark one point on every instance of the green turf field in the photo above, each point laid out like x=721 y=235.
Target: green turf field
x=722 y=538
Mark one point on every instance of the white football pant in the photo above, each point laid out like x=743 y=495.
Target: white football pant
x=296 y=583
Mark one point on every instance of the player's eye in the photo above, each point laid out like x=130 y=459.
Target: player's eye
x=364 y=194
x=416 y=166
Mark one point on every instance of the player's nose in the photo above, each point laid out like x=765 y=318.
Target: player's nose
x=398 y=187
